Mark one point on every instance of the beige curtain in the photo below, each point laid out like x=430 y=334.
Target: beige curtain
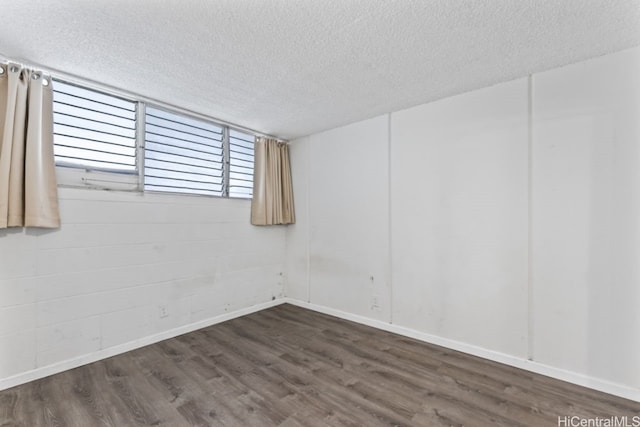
x=28 y=191
x=272 y=189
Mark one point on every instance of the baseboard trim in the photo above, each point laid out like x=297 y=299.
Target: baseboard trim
x=65 y=365
x=532 y=366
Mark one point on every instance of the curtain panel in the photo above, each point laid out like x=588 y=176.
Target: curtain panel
x=272 y=202
x=28 y=190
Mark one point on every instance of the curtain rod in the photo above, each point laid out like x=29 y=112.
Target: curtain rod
x=132 y=96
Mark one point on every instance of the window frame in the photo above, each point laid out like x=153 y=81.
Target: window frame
x=224 y=128
x=70 y=175
x=228 y=153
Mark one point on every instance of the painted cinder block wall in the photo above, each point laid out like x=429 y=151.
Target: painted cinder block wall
x=98 y=285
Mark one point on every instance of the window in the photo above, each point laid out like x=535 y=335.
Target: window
x=241 y=151
x=93 y=130
x=182 y=154
x=97 y=138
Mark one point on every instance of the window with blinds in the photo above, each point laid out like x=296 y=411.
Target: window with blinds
x=182 y=154
x=241 y=156
x=93 y=130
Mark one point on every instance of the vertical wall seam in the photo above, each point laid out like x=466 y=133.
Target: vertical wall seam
x=36 y=345
x=530 y=284
x=390 y=223
x=284 y=272
x=308 y=212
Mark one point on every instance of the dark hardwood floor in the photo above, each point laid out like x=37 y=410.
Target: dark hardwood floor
x=287 y=366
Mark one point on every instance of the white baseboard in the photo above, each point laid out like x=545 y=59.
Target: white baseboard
x=536 y=367
x=532 y=366
x=65 y=365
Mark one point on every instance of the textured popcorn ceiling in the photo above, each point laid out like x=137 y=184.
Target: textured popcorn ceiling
x=294 y=67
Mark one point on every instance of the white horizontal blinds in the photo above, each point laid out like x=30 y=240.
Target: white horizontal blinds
x=93 y=130
x=241 y=157
x=182 y=154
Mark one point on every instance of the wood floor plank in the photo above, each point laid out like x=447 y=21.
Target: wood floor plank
x=287 y=367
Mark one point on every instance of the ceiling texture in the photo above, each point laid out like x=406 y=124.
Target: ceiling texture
x=294 y=67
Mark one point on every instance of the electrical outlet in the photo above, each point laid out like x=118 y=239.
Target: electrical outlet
x=375 y=303
x=163 y=311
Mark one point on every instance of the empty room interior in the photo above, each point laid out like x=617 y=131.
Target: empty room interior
x=320 y=213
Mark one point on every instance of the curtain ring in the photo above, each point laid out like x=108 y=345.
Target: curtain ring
x=1 y=70
x=14 y=69
x=35 y=76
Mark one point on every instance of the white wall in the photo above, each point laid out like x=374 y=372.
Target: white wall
x=343 y=228
x=98 y=282
x=297 y=248
x=349 y=238
x=586 y=217
x=509 y=217
x=459 y=217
